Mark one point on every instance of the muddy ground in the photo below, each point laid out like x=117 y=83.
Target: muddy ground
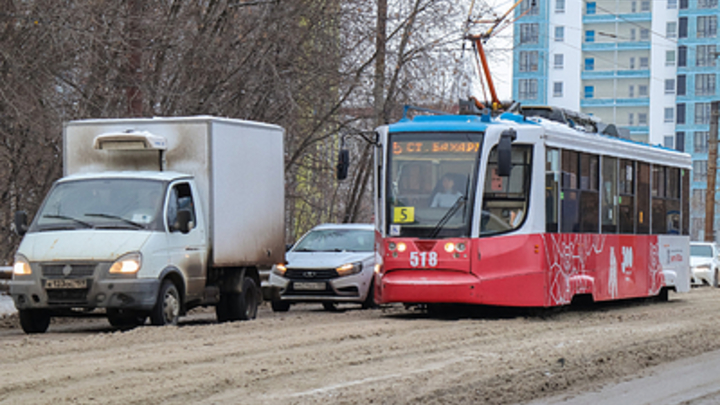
x=384 y=356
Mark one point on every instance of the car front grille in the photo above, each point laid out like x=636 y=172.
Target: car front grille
x=311 y=274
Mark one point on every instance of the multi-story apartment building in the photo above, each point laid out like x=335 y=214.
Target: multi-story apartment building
x=614 y=59
x=647 y=65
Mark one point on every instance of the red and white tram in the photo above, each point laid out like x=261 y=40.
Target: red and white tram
x=526 y=212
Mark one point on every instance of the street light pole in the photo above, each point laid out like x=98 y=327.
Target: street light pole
x=711 y=172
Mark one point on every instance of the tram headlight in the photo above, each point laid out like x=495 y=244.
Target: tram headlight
x=391 y=246
x=401 y=247
x=449 y=247
x=460 y=247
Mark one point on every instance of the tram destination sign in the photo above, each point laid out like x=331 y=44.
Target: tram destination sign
x=430 y=147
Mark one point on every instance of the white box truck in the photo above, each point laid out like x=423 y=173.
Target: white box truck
x=152 y=218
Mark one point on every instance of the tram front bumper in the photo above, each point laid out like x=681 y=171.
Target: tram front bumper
x=429 y=286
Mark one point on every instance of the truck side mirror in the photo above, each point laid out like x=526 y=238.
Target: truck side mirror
x=20 y=222
x=183 y=221
x=343 y=164
x=505 y=152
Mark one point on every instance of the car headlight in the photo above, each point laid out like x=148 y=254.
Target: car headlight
x=348 y=269
x=21 y=266
x=127 y=264
x=279 y=269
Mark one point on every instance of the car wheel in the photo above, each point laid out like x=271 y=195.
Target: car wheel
x=125 y=319
x=279 y=305
x=34 y=320
x=167 y=307
x=329 y=306
x=370 y=298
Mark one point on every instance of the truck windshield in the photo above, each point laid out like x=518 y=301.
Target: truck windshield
x=102 y=203
x=430 y=181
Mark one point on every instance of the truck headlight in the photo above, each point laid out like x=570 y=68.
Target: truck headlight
x=127 y=264
x=21 y=266
x=348 y=269
x=279 y=269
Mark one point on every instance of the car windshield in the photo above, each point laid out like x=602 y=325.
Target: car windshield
x=701 y=251
x=102 y=203
x=337 y=240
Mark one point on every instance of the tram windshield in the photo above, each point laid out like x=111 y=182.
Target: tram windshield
x=431 y=178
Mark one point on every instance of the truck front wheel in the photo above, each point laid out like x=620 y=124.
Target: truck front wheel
x=34 y=320
x=167 y=308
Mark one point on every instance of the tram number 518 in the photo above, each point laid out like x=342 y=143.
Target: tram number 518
x=423 y=259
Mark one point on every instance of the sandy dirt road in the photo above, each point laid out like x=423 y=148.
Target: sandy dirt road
x=383 y=356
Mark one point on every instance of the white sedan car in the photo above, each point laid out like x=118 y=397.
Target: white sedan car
x=704 y=263
x=332 y=263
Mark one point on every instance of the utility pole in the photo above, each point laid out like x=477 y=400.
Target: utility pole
x=711 y=172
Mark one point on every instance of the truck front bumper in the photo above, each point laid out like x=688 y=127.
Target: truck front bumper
x=136 y=294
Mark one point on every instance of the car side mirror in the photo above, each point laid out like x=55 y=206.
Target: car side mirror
x=20 y=222
x=505 y=152
x=183 y=221
x=343 y=164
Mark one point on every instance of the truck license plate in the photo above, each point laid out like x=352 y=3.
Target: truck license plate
x=309 y=286
x=66 y=284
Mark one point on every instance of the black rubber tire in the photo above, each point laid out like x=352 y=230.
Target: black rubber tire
x=222 y=310
x=663 y=295
x=330 y=306
x=167 y=308
x=244 y=306
x=369 y=302
x=280 y=306
x=34 y=320
x=715 y=279
x=125 y=319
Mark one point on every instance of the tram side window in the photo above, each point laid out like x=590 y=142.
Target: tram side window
x=642 y=219
x=552 y=189
x=570 y=196
x=685 y=201
x=589 y=165
x=626 y=199
x=666 y=200
x=506 y=199
x=609 y=195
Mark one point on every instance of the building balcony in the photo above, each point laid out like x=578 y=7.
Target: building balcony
x=611 y=46
x=615 y=102
x=611 y=18
x=615 y=74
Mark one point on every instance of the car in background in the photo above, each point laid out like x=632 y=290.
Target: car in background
x=331 y=264
x=704 y=263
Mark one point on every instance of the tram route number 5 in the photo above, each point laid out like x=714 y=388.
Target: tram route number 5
x=423 y=259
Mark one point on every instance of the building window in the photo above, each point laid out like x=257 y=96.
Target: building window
x=590 y=36
x=591 y=7
x=700 y=141
x=528 y=61
x=669 y=114
x=645 y=6
x=529 y=33
x=707 y=3
x=680 y=113
x=705 y=84
x=682 y=56
x=632 y=63
x=631 y=119
x=668 y=141
x=705 y=55
x=644 y=34
x=707 y=26
x=528 y=89
x=682 y=27
x=671 y=4
x=633 y=37
x=558 y=89
x=700 y=170
x=589 y=91
x=527 y=5
x=681 y=85
x=559 y=6
x=702 y=113
x=644 y=62
x=680 y=141
x=642 y=118
x=671 y=29
x=669 y=86
x=642 y=90
x=683 y=4
x=633 y=6
x=589 y=63
x=559 y=61
x=559 y=34
x=669 y=58
x=631 y=91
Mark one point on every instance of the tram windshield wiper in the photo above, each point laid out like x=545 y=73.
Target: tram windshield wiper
x=454 y=209
x=83 y=223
